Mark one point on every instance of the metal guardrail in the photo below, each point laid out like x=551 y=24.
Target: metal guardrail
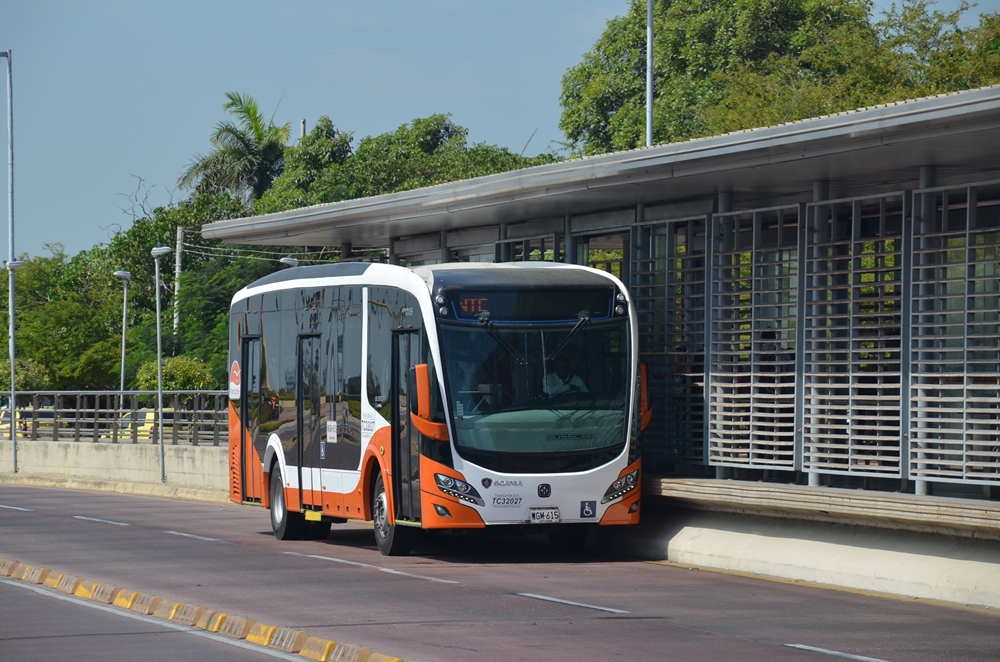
x=190 y=417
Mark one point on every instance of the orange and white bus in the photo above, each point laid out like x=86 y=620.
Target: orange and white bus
x=454 y=396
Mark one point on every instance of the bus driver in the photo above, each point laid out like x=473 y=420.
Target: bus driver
x=561 y=381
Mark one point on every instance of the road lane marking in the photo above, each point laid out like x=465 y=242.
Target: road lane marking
x=238 y=643
x=27 y=510
x=371 y=567
x=191 y=535
x=535 y=596
x=102 y=521
x=846 y=656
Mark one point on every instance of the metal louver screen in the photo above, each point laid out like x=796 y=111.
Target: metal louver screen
x=753 y=335
x=954 y=390
x=668 y=288
x=854 y=296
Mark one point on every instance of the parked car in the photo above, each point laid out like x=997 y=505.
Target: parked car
x=145 y=424
x=44 y=416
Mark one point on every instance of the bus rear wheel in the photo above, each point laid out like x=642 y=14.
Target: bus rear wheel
x=391 y=540
x=286 y=525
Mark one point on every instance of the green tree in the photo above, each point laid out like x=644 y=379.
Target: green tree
x=314 y=171
x=204 y=308
x=424 y=152
x=180 y=373
x=30 y=375
x=725 y=65
x=246 y=155
x=66 y=316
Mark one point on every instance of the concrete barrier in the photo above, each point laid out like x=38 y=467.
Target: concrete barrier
x=193 y=472
x=935 y=567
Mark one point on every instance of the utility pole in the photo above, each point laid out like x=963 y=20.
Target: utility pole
x=177 y=279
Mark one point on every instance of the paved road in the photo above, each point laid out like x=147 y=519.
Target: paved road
x=458 y=597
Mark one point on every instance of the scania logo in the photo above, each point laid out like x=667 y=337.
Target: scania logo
x=488 y=482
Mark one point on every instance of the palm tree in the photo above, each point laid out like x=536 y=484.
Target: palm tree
x=246 y=155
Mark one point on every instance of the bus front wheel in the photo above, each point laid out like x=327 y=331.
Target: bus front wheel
x=286 y=525
x=392 y=540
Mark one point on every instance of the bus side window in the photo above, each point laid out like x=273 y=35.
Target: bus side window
x=348 y=348
x=380 y=348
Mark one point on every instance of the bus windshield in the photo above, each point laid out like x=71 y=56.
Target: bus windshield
x=551 y=388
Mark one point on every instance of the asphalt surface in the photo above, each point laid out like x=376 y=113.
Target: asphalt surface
x=457 y=597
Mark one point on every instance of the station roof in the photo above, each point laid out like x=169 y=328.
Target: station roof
x=866 y=150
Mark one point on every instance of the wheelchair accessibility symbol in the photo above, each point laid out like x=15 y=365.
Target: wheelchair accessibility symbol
x=588 y=509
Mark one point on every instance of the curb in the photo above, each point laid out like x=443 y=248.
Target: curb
x=118 y=487
x=287 y=640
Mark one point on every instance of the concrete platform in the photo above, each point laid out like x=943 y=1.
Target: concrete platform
x=930 y=566
x=974 y=518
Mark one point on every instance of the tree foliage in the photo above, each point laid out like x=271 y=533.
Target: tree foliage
x=246 y=155
x=431 y=150
x=180 y=373
x=724 y=65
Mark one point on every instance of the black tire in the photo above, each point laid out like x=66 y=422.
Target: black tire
x=317 y=530
x=391 y=540
x=286 y=525
x=569 y=539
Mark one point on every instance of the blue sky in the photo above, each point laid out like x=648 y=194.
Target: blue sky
x=109 y=90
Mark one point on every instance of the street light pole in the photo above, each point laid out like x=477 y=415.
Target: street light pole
x=12 y=264
x=125 y=276
x=649 y=73
x=157 y=252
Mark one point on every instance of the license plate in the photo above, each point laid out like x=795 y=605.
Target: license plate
x=544 y=515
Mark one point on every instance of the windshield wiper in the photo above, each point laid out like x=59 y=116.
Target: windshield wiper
x=484 y=319
x=584 y=319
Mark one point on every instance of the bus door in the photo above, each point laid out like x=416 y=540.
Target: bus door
x=405 y=439
x=307 y=414
x=251 y=472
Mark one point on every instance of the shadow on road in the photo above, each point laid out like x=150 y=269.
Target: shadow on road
x=510 y=545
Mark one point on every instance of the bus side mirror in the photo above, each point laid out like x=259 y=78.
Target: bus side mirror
x=645 y=413
x=420 y=411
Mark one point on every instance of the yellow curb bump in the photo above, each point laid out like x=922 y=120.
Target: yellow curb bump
x=378 y=657
x=188 y=614
x=68 y=584
x=107 y=594
x=53 y=579
x=125 y=599
x=350 y=653
x=212 y=621
x=86 y=589
x=289 y=640
x=261 y=634
x=237 y=627
x=318 y=649
x=7 y=567
x=36 y=575
x=166 y=610
x=145 y=604
x=19 y=570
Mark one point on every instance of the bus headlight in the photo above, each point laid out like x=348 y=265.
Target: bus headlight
x=621 y=486
x=458 y=489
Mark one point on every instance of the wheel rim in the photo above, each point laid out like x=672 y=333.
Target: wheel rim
x=381 y=515
x=278 y=505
